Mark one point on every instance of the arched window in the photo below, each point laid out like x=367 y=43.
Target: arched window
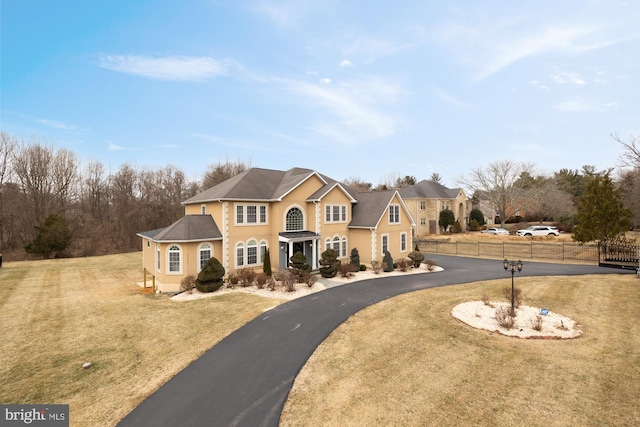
x=294 y=220
x=327 y=244
x=204 y=254
x=262 y=250
x=343 y=247
x=174 y=259
x=336 y=245
x=252 y=252
x=240 y=254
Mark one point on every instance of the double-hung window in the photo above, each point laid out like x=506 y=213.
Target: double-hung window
x=174 y=259
x=394 y=214
x=251 y=214
x=335 y=213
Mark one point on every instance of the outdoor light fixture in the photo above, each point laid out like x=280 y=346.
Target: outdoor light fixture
x=512 y=265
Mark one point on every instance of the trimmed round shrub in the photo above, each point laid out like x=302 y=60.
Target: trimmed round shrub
x=416 y=258
x=329 y=263
x=211 y=277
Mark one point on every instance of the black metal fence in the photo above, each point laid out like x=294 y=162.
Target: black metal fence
x=621 y=255
x=563 y=252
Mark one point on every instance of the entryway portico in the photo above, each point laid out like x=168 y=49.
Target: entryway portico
x=306 y=242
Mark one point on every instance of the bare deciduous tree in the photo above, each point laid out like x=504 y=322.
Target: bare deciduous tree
x=47 y=177
x=222 y=171
x=7 y=146
x=498 y=183
x=631 y=155
x=357 y=184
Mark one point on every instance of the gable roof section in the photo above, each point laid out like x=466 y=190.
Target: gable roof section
x=372 y=208
x=326 y=189
x=257 y=184
x=426 y=189
x=189 y=228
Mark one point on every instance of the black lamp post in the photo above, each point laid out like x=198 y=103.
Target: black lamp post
x=512 y=265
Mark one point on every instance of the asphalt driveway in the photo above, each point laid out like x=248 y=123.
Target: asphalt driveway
x=244 y=380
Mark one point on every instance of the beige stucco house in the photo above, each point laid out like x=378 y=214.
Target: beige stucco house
x=427 y=198
x=285 y=211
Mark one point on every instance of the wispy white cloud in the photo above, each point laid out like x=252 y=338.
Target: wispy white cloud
x=111 y=146
x=579 y=105
x=493 y=47
x=568 y=78
x=371 y=48
x=185 y=68
x=284 y=13
x=345 y=63
x=325 y=81
x=359 y=107
x=539 y=85
x=56 y=124
x=450 y=99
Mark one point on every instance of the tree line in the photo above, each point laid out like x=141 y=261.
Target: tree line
x=104 y=209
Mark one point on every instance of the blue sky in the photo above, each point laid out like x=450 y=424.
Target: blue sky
x=352 y=89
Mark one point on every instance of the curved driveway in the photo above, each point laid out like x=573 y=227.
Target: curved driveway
x=244 y=380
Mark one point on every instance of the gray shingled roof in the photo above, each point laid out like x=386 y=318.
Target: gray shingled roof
x=370 y=208
x=426 y=189
x=263 y=184
x=189 y=228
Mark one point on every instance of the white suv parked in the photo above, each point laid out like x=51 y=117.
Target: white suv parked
x=538 y=230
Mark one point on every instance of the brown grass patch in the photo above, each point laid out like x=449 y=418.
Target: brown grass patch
x=407 y=361
x=58 y=314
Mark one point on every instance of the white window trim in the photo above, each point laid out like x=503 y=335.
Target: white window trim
x=343 y=213
x=245 y=210
x=200 y=247
x=406 y=242
x=180 y=252
x=394 y=207
x=245 y=252
x=203 y=209
x=304 y=217
x=382 y=244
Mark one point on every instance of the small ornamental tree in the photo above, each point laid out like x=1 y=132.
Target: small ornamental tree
x=447 y=219
x=266 y=264
x=387 y=262
x=354 y=259
x=211 y=277
x=329 y=262
x=299 y=266
x=53 y=236
x=416 y=257
x=477 y=215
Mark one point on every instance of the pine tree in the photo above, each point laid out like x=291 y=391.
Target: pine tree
x=53 y=236
x=601 y=213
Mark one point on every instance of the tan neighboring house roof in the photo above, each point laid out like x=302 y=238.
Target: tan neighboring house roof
x=426 y=189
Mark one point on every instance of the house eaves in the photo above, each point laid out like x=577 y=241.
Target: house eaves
x=321 y=193
x=189 y=228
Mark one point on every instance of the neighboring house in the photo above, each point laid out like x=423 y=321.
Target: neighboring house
x=285 y=211
x=488 y=208
x=484 y=205
x=427 y=198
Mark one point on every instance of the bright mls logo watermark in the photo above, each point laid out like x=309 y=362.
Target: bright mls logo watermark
x=37 y=415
